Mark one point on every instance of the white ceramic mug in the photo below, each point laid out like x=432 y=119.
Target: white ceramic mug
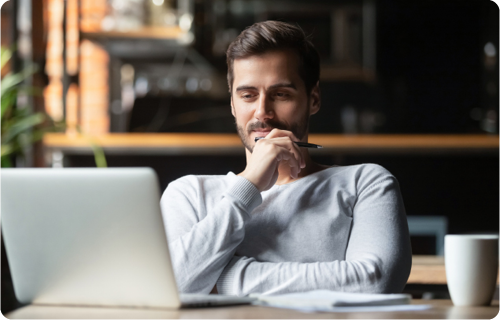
x=471 y=263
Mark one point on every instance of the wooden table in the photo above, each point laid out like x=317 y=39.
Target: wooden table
x=441 y=309
x=429 y=270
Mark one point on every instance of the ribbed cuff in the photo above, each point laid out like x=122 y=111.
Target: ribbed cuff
x=225 y=284
x=245 y=192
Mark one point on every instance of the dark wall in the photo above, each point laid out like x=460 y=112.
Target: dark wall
x=430 y=62
x=430 y=70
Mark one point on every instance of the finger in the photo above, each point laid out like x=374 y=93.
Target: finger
x=275 y=133
x=285 y=155
x=295 y=149
x=285 y=142
x=299 y=156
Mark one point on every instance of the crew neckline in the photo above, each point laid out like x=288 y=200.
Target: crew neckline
x=276 y=186
x=317 y=173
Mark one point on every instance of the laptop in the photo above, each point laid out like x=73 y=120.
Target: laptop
x=88 y=236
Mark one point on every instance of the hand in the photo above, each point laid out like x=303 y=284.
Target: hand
x=268 y=153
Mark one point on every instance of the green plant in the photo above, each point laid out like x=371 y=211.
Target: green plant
x=20 y=127
x=99 y=156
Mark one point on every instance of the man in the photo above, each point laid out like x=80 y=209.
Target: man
x=286 y=223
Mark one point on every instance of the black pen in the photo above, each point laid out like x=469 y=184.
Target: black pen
x=300 y=144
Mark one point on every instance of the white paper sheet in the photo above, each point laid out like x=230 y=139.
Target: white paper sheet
x=332 y=301
x=387 y=308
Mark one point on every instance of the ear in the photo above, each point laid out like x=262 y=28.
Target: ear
x=315 y=100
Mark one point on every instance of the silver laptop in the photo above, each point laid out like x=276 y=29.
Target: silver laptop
x=90 y=237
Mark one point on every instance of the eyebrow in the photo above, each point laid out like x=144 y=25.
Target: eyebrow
x=283 y=85
x=274 y=86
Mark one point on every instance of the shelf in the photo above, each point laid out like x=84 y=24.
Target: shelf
x=426 y=143
x=213 y=143
x=148 y=32
x=148 y=143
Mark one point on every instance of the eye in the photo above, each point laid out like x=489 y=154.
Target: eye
x=247 y=95
x=281 y=95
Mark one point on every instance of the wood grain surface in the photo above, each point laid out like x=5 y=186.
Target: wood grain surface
x=205 y=142
x=429 y=270
x=440 y=309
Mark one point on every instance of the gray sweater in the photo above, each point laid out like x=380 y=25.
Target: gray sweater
x=342 y=229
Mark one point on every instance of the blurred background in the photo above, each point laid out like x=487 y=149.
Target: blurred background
x=117 y=68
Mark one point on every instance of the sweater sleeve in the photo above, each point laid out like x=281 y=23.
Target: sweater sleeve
x=377 y=259
x=200 y=248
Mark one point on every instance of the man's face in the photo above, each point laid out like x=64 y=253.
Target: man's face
x=268 y=93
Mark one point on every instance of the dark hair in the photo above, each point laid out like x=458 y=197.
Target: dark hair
x=262 y=37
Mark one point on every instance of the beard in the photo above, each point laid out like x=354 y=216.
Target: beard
x=299 y=129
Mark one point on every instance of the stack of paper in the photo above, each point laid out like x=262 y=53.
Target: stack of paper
x=325 y=300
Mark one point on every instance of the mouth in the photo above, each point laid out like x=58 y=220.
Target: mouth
x=261 y=132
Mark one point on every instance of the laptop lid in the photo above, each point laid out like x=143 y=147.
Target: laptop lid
x=86 y=236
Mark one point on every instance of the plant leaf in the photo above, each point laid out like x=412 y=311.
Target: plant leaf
x=7 y=102
x=10 y=81
x=13 y=79
x=99 y=157
x=6 y=54
x=6 y=163
x=22 y=125
x=24 y=140
x=6 y=149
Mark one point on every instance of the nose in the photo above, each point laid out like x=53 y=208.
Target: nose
x=264 y=109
